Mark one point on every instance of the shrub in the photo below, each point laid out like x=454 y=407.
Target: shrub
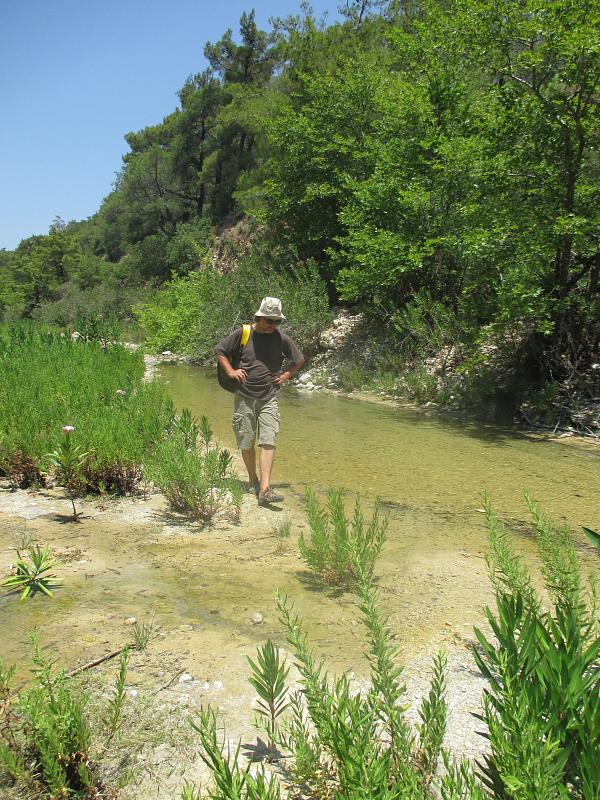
x=541 y=708
x=48 y=381
x=342 y=743
x=47 y=740
x=196 y=482
x=337 y=544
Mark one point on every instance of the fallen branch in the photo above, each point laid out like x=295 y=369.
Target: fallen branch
x=94 y=663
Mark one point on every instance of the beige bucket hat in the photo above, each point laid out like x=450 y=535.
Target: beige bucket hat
x=270 y=307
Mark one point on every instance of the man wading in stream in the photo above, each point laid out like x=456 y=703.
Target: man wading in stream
x=259 y=380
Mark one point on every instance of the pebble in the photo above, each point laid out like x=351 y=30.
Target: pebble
x=132 y=693
x=217 y=686
x=131 y=620
x=185 y=677
x=256 y=618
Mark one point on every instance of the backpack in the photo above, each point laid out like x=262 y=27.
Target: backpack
x=225 y=382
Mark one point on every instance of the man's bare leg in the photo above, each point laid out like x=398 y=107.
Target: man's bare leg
x=267 y=455
x=249 y=457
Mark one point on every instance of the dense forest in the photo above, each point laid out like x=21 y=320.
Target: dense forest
x=433 y=163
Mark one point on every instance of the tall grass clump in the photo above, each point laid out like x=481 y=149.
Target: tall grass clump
x=541 y=707
x=48 y=381
x=338 y=543
x=193 y=472
x=49 y=746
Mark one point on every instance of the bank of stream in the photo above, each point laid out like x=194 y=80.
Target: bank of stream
x=210 y=592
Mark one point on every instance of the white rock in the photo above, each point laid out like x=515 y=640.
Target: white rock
x=217 y=686
x=185 y=677
x=132 y=693
x=166 y=353
x=256 y=618
x=131 y=620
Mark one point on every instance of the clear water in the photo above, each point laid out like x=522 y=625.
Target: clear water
x=408 y=458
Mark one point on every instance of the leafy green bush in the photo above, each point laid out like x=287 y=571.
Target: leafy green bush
x=342 y=743
x=542 y=707
x=196 y=481
x=339 y=546
x=48 y=381
x=194 y=312
x=48 y=744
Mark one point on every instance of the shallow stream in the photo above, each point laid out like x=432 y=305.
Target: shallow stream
x=410 y=458
x=134 y=558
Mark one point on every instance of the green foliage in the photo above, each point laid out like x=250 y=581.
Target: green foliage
x=338 y=544
x=231 y=781
x=186 y=426
x=47 y=381
x=194 y=312
x=68 y=462
x=31 y=573
x=46 y=737
x=268 y=677
x=196 y=483
x=433 y=713
x=542 y=708
x=141 y=634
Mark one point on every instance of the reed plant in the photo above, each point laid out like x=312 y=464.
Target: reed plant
x=48 y=743
x=542 y=707
x=142 y=633
x=48 y=381
x=198 y=482
x=269 y=674
x=340 y=545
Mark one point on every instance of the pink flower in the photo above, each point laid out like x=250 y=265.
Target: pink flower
x=68 y=428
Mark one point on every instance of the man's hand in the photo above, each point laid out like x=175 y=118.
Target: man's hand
x=239 y=375
x=278 y=380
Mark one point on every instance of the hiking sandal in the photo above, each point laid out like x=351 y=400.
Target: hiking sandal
x=268 y=497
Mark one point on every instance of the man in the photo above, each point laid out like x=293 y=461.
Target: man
x=259 y=380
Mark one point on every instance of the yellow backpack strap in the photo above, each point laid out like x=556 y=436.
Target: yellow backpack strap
x=246 y=329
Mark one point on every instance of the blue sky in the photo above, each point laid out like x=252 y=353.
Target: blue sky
x=76 y=75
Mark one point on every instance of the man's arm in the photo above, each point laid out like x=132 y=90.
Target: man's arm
x=297 y=359
x=289 y=373
x=237 y=374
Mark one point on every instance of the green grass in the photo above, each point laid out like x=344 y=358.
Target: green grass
x=48 y=381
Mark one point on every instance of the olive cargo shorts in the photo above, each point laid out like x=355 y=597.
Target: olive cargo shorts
x=250 y=414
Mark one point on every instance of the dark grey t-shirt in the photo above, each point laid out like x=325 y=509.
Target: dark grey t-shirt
x=262 y=357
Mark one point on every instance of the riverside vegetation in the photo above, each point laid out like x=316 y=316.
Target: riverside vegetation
x=434 y=163
x=540 y=712
x=121 y=434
